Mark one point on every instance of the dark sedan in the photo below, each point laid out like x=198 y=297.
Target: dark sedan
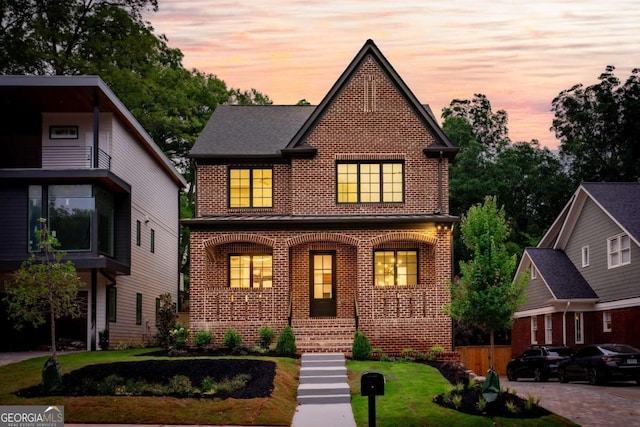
x=601 y=363
x=539 y=362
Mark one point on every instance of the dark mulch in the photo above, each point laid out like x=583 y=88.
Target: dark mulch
x=455 y=373
x=262 y=375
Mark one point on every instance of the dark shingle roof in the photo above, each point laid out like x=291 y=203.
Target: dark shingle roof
x=621 y=200
x=237 y=130
x=560 y=274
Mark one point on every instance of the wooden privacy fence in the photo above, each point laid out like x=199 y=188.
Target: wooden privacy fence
x=476 y=358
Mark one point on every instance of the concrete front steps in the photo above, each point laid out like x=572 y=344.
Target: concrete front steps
x=323 y=379
x=325 y=335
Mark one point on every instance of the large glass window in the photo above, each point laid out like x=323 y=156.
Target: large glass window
x=250 y=271
x=579 y=322
x=323 y=276
x=619 y=248
x=106 y=221
x=548 y=329
x=250 y=188
x=35 y=214
x=70 y=213
x=396 y=267
x=365 y=182
x=534 y=329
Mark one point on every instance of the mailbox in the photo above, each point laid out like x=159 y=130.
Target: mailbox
x=372 y=384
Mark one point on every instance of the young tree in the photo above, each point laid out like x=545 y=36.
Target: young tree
x=45 y=288
x=486 y=296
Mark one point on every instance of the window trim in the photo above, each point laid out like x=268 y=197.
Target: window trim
x=534 y=329
x=395 y=269
x=585 y=256
x=578 y=327
x=619 y=251
x=534 y=272
x=607 y=324
x=548 y=329
x=251 y=169
x=358 y=183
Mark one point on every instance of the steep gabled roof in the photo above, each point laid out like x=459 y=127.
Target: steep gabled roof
x=443 y=144
x=275 y=131
x=560 y=275
x=250 y=130
x=620 y=201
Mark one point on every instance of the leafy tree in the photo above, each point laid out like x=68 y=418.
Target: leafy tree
x=486 y=296
x=167 y=320
x=43 y=289
x=599 y=128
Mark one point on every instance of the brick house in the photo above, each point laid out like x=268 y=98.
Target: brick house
x=328 y=218
x=584 y=286
x=73 y=154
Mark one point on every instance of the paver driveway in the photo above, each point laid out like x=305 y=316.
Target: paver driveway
x=616 y=404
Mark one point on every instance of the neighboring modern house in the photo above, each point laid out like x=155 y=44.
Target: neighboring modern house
x=74 y=155
x=585 y=272
x=328 y=218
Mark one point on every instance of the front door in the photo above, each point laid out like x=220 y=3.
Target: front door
x=322 y=291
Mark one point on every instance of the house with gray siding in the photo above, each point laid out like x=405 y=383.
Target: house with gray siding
x=584 y=283
x=73 y=154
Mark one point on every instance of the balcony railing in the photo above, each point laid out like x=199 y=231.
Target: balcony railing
x=70 y=157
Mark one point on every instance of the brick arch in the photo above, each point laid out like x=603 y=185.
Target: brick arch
x=404 y=235
x=210 y=246
x=322 y=237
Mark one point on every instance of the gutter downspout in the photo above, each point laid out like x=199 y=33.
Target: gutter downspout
x=564 y=324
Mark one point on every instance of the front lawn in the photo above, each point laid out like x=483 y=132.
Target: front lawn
x=408 y=399
x=276 y=409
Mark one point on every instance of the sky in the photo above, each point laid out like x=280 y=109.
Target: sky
x=520 y=54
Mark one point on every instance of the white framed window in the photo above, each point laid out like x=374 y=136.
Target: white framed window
x=606 y=321
x=585 y=256
x=548 y=329
x=534 y=272
x=534 y=329
x=619 y=250
x=579 y=325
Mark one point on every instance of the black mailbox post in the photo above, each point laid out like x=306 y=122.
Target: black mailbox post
x=372 y=385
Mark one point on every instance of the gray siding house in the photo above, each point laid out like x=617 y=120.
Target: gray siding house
x=73 y=154
x=585 y=272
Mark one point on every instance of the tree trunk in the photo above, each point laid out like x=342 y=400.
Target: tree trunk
x=53 y=332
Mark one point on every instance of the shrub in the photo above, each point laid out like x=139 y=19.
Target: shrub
x=109 y=385
x=167 y=320
x=103 y=339
x=180 y=385
x=178 y=337
x=361 y=349
x=286 y=342
x=203 y=338
x=232 y=338
x=266 y=335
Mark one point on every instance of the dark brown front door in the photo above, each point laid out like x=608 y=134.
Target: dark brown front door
x=322 y=292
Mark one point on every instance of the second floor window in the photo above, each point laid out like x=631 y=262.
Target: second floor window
x=396 y=268
x=250 y=271
x=363 y=182
x=250 y=188
x=619 y=249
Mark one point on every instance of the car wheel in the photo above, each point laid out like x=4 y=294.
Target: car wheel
x=593 y=377
x=511 y=375
x=562 y=376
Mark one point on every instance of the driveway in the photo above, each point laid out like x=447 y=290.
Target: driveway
x=616 y=404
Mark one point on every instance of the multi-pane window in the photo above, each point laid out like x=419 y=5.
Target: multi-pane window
x=112 y=299
x=323 y=276
x=534 y=272
x=534 y=329
x=71 y=210
x=138 y=309
x=396 y=267
x=619 y=249
x=548 y=329
x=364 y=182
x=250 y=187
x=250 y=271
x=579 y=322
x=606 y=321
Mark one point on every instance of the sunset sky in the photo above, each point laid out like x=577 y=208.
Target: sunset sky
x=520 y=54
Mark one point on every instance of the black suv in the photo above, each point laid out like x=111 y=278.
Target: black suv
x=539 y=362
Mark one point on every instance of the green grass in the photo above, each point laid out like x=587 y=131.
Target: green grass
x=408 y=399
x=277 y=409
